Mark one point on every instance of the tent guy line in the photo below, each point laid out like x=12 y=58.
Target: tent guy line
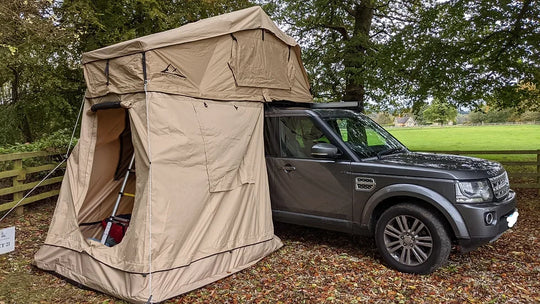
x=32 y=190
x=53 y=170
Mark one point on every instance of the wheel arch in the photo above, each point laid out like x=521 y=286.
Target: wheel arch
x=425 y=197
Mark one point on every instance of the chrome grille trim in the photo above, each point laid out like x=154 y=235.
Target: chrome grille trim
x=500 y=185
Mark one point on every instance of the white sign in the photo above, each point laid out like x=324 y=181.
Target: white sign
x=7 y=240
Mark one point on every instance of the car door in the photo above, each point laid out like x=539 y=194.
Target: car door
x=306 y=190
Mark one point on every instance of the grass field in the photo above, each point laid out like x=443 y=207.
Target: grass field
x=476 y=138
x=500 y=137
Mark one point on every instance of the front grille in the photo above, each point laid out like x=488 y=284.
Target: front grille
x=500 y=185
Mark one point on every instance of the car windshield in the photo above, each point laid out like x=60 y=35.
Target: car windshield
x=365 y=137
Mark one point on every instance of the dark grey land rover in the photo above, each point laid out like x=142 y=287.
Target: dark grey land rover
x=333 y=168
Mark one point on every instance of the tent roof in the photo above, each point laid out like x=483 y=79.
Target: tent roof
x=246 y=19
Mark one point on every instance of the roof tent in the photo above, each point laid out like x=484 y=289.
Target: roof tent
x=188 y=104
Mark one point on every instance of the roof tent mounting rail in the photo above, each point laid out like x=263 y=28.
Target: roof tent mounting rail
x=335 y=105
x=316 y=105
x=106 y=105
x=286 y=103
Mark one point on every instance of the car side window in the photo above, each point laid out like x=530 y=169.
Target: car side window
x=298 y=135
x=354 y=134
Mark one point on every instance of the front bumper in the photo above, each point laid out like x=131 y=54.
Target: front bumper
x=487 y=222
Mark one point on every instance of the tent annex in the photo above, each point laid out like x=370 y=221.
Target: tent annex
x=188 y=104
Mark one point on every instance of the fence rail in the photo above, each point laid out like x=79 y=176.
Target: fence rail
x=12 y=191
x=534 y=164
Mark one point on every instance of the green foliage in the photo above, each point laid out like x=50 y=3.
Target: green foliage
x=384 y=119
x=477 y=117
x=55 y=142
x=493 y=115
x=395 y=53
x=99 y=23
x=440 y=112
x=466 y=52
x=530 y=116
x=337 y=46
x=41 y=43
x=37 y=82
x=499 y=116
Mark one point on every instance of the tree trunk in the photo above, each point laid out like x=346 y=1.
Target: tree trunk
x=355 y=52
x=24 y=124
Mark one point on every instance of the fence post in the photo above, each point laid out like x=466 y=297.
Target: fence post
x=18 y=180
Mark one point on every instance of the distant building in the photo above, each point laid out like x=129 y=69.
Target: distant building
x=405 y=121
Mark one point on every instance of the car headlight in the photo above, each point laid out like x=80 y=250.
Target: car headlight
x=473 y=192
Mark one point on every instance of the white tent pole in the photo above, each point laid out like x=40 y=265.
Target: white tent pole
x=149 y=187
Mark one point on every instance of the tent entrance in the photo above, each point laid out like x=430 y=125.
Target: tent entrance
x=112 y=155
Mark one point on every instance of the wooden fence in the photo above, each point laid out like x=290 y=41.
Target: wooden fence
x=19 y=172
x=26 y=170
x=523 y=180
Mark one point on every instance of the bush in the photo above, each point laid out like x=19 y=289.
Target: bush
x=499 y=116
x=530 y=116
x=477 y=117
x=55 y=142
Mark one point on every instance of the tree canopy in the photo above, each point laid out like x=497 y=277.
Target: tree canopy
x=385 y=54
x=405 y=52
x=41 y=43
x=440 y=112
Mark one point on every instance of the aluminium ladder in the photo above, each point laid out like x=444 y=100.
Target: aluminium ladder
x=120 y=195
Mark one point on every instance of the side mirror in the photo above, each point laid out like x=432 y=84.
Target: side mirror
x=324 y=150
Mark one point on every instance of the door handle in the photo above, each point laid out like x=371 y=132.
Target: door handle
x=288 y=168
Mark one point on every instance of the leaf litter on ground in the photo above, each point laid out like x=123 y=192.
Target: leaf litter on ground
x=313 y=266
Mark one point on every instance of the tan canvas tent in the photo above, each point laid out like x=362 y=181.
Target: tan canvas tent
x=188 y=103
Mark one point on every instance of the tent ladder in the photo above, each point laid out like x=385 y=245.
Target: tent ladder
x=122 y=193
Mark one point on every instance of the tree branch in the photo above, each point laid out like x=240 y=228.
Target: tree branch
x=378 y=33
x=395 y=18
x=340 y=29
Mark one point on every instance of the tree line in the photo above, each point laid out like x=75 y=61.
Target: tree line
x=434 y=114
x=385 y=54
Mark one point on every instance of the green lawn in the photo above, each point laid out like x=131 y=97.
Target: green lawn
x=500 y=137
x=503 y=137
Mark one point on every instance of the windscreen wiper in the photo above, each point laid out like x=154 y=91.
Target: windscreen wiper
x=389 y=151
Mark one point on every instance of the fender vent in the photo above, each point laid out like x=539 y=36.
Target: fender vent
x=364 y=184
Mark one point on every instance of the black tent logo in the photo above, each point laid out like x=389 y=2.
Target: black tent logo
x=172 y=70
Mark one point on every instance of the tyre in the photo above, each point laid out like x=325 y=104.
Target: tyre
x=412 y=239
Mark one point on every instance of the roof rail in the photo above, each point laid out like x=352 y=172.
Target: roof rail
x=332 y=105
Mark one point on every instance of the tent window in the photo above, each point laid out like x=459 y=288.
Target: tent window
x=227 y=159
x=260 y=63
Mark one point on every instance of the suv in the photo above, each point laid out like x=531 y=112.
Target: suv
x=331 y=167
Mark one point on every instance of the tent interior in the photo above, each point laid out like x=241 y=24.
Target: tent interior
x=112 y=155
